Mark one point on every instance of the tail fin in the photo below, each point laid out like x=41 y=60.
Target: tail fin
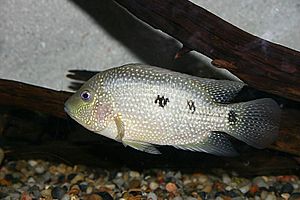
x=255 y=122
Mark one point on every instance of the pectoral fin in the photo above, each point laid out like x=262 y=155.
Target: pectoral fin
x=142 y=146
x=120 y=127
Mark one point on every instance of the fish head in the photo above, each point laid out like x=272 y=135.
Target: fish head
x=90 y=107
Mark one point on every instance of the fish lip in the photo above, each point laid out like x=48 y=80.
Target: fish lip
x=66 y=109
x=70 y=113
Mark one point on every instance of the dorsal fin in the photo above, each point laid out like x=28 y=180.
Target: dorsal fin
x=221 y=91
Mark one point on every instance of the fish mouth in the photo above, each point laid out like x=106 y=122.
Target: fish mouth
x=67 y=110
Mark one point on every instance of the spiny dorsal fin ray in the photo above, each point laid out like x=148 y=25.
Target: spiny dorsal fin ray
x=216 y=143
x=221 y=91
x=142 y=146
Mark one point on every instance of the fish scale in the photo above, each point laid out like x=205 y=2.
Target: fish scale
x=174 y=119
x=143 y=106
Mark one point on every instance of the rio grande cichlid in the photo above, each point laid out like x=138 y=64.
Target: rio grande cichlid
x=143 y=106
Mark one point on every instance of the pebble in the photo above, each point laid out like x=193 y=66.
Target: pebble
x=39 y=169
x=46 y=176
x=34 y=191
x=285 y=196
x=25 y=196
x=89 y=189
x=135 y=183
x=287 y=188
x=119 y=181
x=228 y=188
x=75 y=190
x=257 y=198
x=245 y=188
x=253 y=189
x=171 y=187
x=30 y=180
x=74 y=197
x=32 y=163
x=270 y=197
x=94 y=197
x=38 y=179
x=134 y=174
x=105 y=195
x=203 y=195
x=178 y=175
x=260 y=182
x=263 y=194
x=66 y=197
x=46 y=194
x=202 y=178
x=110 y=186
x=234 y=193
x=226 y=179
x=151 y=196
x=153 y=186
x=83 y=186
x=13 y=196
x=207 y=189
x=77 y=178
x=58 y=192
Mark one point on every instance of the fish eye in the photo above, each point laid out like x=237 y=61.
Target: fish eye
x=85 y=95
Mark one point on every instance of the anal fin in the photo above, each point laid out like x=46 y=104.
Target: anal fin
x=142 y=146
x=216 y=143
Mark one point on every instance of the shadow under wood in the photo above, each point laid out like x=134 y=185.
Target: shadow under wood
x=150 y=46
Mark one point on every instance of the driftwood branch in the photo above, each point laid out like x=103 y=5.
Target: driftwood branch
x=261 y=64
x=22 y=95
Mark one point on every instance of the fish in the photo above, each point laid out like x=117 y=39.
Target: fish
x=145 y=107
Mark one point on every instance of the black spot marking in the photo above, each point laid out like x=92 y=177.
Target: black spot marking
x=162 y=101
x=232 y=116
x=191 y=105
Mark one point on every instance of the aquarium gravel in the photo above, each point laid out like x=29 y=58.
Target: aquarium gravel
x=43 y=180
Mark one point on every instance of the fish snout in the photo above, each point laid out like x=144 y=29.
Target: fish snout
x=68 y=106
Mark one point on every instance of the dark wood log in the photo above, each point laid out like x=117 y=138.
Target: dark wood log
x=261 y=64
x=13 y=93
